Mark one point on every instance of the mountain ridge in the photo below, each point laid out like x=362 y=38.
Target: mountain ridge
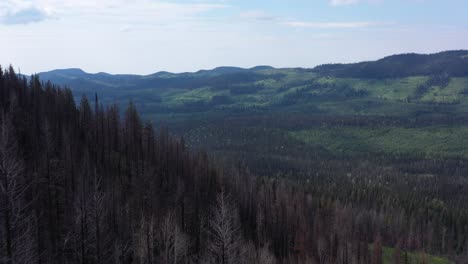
x=339 y=69
x=453 y=62
x=220 y=70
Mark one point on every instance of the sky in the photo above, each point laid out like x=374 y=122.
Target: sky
x=147 y=36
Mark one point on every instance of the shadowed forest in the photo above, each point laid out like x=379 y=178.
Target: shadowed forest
x=81 y=183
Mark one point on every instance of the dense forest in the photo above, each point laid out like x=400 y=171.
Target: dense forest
x=284 y=120
x=83 y=184
x=453 y=63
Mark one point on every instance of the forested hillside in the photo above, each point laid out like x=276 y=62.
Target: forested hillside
x=453 y=63
x=408 y=106
x=80 y=184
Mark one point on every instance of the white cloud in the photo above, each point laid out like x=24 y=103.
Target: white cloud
x=263 y=16
x=126 y=28
x=343 y=2
x=329 y=25
x=125 y=7
x=114 y=11
x=257 y=15
x=352 y=2
x=22 y=12
x=144 y=36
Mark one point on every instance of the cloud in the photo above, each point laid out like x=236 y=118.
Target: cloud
x=352 y=2
x=127 y=8
x=257 y=15
x=263 y=16
x=126 y=28
x=24 y=16
x=112 y=11
x=343 y=2
x=14 y=12
x=330 y=25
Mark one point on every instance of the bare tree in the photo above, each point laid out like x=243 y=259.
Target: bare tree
x=173 y=243
x=98 y=210
x=397 y=254
x=265 y=256
x=146 y=239
x=322 y=249
x=225 y=237
x=377 y=251
x=17 y=224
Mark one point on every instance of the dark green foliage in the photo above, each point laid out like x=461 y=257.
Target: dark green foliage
x=238 y=89
x=454 y=63
x=441 y=79
x=421 y=90
x=221 y=100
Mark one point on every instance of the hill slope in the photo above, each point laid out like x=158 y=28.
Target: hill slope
x=454 y=63
x=399 y=77
x=282 y=118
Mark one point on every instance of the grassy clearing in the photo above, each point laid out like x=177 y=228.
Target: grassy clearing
x=452 y=93
x=403 y=88
x=431 y=141
x=390 y=89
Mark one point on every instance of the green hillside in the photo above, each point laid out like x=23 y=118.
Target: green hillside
x=401 y=105
x=429 y=142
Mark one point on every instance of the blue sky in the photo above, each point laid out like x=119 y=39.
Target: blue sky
x=146 y=36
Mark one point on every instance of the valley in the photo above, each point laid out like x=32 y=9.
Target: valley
x=277 y=115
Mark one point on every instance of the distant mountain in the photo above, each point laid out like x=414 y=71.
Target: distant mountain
x=265 y=86
x=68 y=72
x=454 y=63
x=82 y=82
x=393 y=105
x=223 y=70
x=75 y=73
